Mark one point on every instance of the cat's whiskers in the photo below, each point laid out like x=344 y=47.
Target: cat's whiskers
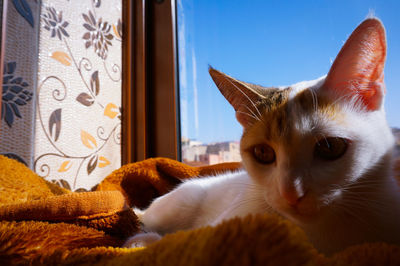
x=250 y=201
x=351 y=192
x=344 y=209
x=255 y=191
x=353 y=198
x=210 y=211
x=372 y=184
x=365 y=202
x=361 y=186
x=251 y=186
x=361 y=205
x=360 y=208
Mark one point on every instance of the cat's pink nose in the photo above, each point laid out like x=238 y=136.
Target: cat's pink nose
x=292 y=192
x=292 y=198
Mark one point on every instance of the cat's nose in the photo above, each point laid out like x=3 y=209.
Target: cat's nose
x=292 y=191
x=292 y=198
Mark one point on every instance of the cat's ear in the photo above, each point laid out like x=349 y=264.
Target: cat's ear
x=239 y=95
x=358 y=68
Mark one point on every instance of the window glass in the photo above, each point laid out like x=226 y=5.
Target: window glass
x=266 y=43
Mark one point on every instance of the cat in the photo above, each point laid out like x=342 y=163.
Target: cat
x=318 y=153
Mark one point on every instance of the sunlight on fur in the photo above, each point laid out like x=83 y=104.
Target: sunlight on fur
x=318 y=153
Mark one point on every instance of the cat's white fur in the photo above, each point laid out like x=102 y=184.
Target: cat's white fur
x=205 y=201
x=210 y=200
x=355 y=199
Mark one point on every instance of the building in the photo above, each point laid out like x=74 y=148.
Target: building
x=197 y=153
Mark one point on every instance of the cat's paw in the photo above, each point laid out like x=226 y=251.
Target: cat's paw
x=141 y=240
x=139 y=213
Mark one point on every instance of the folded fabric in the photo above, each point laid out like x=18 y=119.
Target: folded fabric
x=41 y=223
x=143 y=181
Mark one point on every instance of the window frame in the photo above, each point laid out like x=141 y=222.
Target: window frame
x=150 y=94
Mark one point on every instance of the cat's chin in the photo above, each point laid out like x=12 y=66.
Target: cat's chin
x=297 y=216
x=301 y=217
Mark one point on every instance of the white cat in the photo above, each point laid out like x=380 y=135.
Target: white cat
x=318 y=153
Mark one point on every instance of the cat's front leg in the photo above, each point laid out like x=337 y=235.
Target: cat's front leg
x=174 y=211
x=141 y=240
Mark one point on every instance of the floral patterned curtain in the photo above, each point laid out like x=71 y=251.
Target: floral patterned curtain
x=74 y=94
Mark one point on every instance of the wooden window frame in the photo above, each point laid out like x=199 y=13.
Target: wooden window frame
x=150 y=94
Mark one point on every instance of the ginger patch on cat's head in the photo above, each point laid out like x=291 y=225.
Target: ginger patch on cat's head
x=273 y=108
x=311 y=102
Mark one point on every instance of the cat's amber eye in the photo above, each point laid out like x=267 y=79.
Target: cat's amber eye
x=331 y=148
x=264 y=154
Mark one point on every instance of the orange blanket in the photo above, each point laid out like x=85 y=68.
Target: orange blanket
x=42 y=223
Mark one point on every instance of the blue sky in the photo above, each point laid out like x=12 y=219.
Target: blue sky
x=270 y=43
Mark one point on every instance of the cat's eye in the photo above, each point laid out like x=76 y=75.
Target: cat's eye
x=330 y=148
x=264 y=154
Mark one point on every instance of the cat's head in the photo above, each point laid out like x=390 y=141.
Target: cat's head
x=306 y=144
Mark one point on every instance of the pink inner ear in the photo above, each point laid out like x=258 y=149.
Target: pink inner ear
x=358 y=68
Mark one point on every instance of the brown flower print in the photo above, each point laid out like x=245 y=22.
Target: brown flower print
x=119 y=28
x=98 y=35
x=53 y=22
